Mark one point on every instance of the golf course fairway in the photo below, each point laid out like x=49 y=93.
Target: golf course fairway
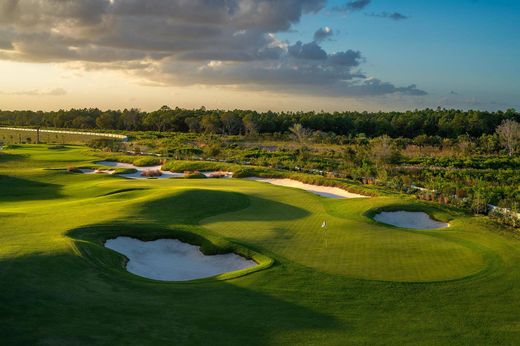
x=355 y=281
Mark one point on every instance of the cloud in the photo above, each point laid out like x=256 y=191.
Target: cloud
x=351 y=6
x=390 y=15
x=186 y=42
x=35 y=92
x=307 y=51
x=323 y=34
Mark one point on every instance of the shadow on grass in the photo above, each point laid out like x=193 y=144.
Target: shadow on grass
x=63 y=299
x=18 y=189
x=4 y=157
x=191 y=206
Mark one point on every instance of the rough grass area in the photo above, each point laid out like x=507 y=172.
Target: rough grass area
x=139 y=161
x=355 y=282
x=240 y=171
x=146 y=162
x=183 y=166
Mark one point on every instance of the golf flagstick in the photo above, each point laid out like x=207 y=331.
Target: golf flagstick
x=324 y=227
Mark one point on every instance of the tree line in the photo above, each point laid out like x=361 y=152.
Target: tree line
x=445 y=123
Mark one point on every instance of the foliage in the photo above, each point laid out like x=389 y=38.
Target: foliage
x=509 y=135
x=151 y=173
x=146 y=161
x=194 y=175
x=105 y=144
x=184 y=166
x=446 y=123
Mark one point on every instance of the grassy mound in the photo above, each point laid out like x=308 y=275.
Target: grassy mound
x=90 y=244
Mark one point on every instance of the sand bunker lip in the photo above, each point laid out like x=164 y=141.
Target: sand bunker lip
x=173 y=260
x=140 y=170
x=324 y=191
x=409 y=219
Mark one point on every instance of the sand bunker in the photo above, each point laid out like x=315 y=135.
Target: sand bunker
x=409 y=219
x=173 y=260
x=140 y=170
x=324 y=191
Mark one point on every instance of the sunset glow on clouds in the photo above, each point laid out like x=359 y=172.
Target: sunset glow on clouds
x=263 y=54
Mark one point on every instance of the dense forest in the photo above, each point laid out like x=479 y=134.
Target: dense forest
x=442 y=123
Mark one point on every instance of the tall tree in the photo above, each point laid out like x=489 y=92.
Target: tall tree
x=509 y=135
x=231 y=123
x=250 y=121
x=193 y=124
x=105 y=121
x=211 y=123
x=300 y=133
x=384 y=150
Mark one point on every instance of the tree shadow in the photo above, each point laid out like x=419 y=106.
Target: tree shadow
x=73 y=302
x=17 y=189
x=191 y=206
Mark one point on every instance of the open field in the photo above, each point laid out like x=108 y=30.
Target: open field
x=12 y=135
x=356 y=282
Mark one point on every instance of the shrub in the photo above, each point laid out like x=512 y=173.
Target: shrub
x=183 y=166
x=244 y=173
x=505 y=217
x=73 y=170
x=146 y=161
x=217 y=175
x=125 y=170
x=194 y=175
x=105 y=144
x=151 y=173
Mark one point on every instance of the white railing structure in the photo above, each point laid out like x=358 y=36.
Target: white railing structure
x=108 y=135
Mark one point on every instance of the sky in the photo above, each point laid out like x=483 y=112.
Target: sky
x=292 y=55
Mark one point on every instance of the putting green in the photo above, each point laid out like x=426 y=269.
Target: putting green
x=351 y=244
x=352 y=282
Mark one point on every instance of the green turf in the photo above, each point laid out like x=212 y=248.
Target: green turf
x=358 y=282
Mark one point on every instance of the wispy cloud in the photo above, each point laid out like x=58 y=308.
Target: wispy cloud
x=36 y=92
x=390 y=15
x=351 y=6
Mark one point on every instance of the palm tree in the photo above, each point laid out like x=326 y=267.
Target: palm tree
x=300 y=133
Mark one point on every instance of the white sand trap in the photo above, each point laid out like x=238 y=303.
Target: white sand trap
x=324 y=191
x=173 y=260
x=409 y=219
x=140 y=170
x=97 y=171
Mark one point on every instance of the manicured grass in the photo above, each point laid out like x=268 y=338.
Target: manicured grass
x=357 y=282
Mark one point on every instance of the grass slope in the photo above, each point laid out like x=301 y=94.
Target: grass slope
x=358 y=282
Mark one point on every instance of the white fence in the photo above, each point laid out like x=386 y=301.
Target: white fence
x=108 y=135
